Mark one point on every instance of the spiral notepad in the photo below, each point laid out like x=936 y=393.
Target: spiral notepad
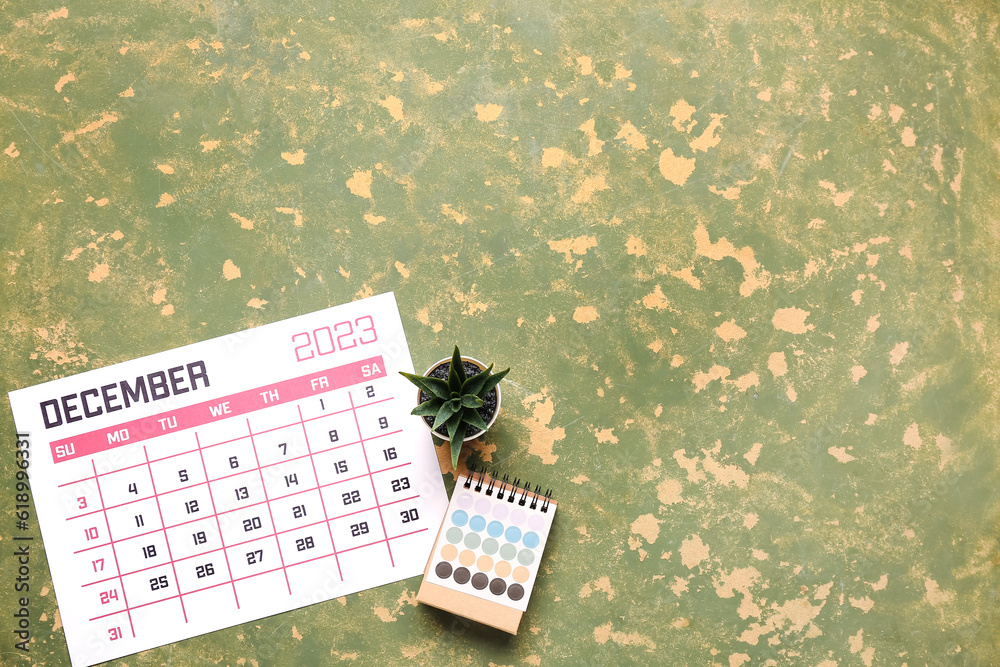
x=487 y=553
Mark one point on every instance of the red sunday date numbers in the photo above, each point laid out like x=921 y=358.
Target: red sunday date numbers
x=341 y=336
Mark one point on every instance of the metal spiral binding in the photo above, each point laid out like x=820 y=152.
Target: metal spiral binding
x=504 y=486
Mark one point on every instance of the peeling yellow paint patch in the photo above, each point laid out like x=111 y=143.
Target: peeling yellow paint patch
x=648 y=526
x=424 y=317
x=403 y=271
x=635 y=246
x=230 y=270
x=606 y=632
x=946 y=449
x=63 y=80
x=898 y=352
x=541 y=437
x=553 y=157
x=858 y=372
x=594 y=145
x=394 y=106
x=374 y=220
x=209 y=146
x=656 y=300
x=606 y=435
x=165 y=168
x=911 y=437
x=256 y=303
x=105 y=119
x=701 y=378
x=11 y=151
x=754 y=276
x=585 y=314
x=777 y=364
x=632 y=137
x=682 y=112
x=60 y=13
x=744 y=382
x=294 y=212
x=840 y=453
x=693 y=551
x=580 y=479
x=458 y=217
x=298 y=157
x=708 y=139
x=590 y=185
x=166 y=199
x=100 y=272
x=730 y=331
x=908 y=137
x=244 y=222
x=488 y=112
x=687 y=276
x=675 y=168
x=669 y=491
x=360 y=184
x=159 y=296
x=384 y=615
x=792 y=320
x=128 y=92
x=754 y=452
x=934 y=595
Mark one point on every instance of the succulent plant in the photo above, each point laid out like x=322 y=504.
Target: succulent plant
x=455 y=402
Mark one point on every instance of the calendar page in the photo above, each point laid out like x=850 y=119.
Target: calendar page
x=231 y=479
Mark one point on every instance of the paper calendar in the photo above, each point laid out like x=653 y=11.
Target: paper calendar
x=486 y=557
x=231 y=479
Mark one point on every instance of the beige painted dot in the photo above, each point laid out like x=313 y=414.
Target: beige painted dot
x=503 y=569
x=520 y=574
x=449 y=552
x=485 y=563
x=467 y=558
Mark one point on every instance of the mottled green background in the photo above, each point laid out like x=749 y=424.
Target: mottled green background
x=741 y=258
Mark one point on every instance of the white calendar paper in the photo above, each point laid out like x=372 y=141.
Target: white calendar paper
x=231 y=479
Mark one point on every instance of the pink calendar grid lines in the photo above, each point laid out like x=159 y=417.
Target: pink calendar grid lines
x=242 y=508
x=215 y=513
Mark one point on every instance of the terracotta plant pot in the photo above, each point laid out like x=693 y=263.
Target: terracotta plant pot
x=443 y=374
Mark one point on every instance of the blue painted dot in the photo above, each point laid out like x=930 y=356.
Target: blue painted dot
x=477 y=523
x=531 y=539
x=513 y=534
x=459 y=518
x=495 y=529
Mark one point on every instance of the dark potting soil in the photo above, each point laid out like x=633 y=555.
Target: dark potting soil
x=489 y=401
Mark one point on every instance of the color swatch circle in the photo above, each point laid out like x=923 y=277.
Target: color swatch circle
x=521 y=574
x=472 y=540
x=449 y=552
x=495 y=529
x=531 y=539
x=454 y=535
x=498 y=586
x=443 y=570
x=525 y=556
x=508 y=551
x=477 y=523
x=485 y=563
x=515 y=592
x=513 y=534
x=462 y=575
x=480 y=581
x=490 y=546
x=518 y=517
x=483 y=505
x=459 y=517
x=536 y=522
x=465 y=501
x=500 y=511
x=467 y=558
x=502 y=568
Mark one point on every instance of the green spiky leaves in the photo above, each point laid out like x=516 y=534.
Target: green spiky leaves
x=455 y=402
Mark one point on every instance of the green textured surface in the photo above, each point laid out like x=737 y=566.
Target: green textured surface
x=765 y=391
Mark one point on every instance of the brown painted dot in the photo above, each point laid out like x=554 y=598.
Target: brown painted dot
x=498 y=586
x=461 y=575
x=515 y=592
x=443 y=570
x=479 y=581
